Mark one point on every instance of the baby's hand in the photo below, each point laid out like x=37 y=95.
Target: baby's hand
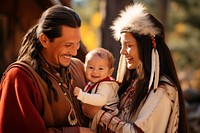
x=76 y=91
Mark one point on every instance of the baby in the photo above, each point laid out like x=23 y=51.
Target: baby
x=101 y=90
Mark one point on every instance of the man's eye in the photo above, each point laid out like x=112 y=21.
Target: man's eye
x=68 y=44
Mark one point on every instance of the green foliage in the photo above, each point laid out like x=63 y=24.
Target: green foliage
x=184 y=34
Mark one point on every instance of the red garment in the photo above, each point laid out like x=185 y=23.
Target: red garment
x=23 y=115
x=90 y=86
x=24 y=108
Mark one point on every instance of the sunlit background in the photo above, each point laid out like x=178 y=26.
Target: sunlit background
x=182 y=24
x=180 y=17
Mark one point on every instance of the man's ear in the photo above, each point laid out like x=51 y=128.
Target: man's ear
x=111 y=71
x=43 y=40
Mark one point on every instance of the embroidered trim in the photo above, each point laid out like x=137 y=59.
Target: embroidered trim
x=138 y=128
x=108 y=124
x=117 y=124
x=101 y=116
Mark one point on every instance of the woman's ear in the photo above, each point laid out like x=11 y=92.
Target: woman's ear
x=111 y=71
x=43 y=40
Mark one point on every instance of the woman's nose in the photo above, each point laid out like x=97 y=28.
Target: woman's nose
x=123 y=50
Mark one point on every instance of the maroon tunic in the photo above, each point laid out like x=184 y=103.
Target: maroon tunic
x=24 y=107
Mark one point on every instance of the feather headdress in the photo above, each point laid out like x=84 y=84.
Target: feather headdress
x=135 y=19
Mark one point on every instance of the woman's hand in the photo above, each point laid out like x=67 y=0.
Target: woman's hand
x=86 y=130
x=90 y=110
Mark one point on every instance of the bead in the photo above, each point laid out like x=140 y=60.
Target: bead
x=126 y=110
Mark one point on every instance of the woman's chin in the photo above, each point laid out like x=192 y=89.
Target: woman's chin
x=130 y=66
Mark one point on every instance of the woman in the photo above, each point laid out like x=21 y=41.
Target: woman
x=151 y=99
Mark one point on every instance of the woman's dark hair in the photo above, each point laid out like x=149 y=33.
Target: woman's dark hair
x=167 y=69
x=50 y=24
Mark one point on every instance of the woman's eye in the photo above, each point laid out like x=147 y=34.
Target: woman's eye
x=129 y=45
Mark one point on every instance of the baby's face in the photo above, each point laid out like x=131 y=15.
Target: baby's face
x=97 y=69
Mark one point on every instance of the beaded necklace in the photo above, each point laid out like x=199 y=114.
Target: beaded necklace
x=127 y=97
x=64 y=82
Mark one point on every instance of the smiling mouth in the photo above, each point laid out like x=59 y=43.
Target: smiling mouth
x=129 y=59
x=95 y=76
x=67 y=57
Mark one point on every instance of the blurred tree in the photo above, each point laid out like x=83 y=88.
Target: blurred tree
x=15 y=18
x=91 y=18
x=188 y=27
x=184 y=37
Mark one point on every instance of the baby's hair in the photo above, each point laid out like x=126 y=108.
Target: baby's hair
x=102 y=53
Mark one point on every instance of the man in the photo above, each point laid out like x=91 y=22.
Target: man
x=36 y=90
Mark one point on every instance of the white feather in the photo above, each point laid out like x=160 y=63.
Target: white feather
x=121 y=69
x=135 y=19
x=157 y=70
x=152 y=68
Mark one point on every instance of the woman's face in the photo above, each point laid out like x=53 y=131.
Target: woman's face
x=130 y=50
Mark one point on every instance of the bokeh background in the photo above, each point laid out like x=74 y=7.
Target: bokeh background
x=181 y=19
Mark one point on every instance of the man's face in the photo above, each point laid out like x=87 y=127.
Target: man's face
x=59 y=52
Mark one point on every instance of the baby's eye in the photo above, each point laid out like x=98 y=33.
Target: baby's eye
x=101 y=69
x=90 y=67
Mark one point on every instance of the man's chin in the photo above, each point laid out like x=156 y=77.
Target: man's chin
x=66 y=64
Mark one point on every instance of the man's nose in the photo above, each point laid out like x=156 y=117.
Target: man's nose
x=74 y=49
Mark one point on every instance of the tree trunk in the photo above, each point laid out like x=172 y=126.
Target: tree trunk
x=162 y=10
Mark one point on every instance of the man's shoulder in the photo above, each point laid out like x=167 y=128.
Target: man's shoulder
x=15 y=72
x=15 y=68
x=76 y=61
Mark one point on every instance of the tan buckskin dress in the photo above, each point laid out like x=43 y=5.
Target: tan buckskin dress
x=159 y=113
